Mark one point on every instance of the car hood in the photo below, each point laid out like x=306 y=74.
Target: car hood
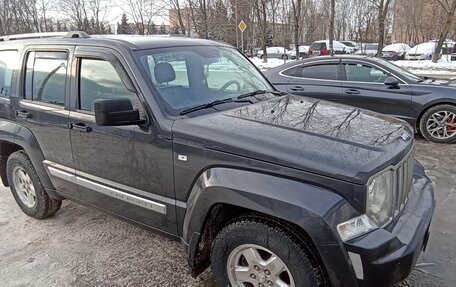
x=315 y=136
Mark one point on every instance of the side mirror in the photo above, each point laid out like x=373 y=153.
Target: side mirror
x=116 y=112
x=391 y=82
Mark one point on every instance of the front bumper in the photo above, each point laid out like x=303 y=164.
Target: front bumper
x=386 y=256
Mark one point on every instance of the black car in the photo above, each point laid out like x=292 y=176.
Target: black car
x=429 y=105
x=186 y=137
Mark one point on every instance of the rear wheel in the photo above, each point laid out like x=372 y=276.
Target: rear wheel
x=27 y=189
x=256 y=253
x=438 y=124
x=284 y=57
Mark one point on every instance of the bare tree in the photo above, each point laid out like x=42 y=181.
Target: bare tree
x=331 y=26
x=382 y=6
x=450 y=9
x=296 y=7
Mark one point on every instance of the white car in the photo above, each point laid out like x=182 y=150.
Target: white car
x=422 y=51
x=278 y=53
x=368 y=49
x=395 y=52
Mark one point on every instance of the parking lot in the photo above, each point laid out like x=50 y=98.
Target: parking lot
x=83 y=247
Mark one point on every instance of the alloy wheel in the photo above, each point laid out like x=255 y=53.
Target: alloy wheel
x=251 y=265
x=24 y=187
x=442 y=125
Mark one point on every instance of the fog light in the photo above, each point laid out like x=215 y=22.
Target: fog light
x=354 y=227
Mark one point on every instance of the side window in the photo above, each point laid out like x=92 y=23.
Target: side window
x=324 y=72
x=99 y=80
x=364 y=73
x=46 y=76
x=8 y=63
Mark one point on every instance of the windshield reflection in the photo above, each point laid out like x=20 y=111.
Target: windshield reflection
x=189 y=76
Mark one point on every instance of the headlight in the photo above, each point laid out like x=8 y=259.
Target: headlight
x=380 y=198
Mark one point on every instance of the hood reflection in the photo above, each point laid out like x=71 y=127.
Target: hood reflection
x=324 y=118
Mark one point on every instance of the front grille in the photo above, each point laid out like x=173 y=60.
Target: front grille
x=403 y=182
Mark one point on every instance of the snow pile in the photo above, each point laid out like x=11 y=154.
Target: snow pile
x=443 y=66
x=272 y=63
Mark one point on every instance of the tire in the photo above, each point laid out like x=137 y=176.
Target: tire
x=245 y=235
x=27 y=189
x=434 y=127
x=284 y=57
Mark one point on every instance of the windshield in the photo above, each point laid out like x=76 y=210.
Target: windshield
x=189 y=76
x=398 y=70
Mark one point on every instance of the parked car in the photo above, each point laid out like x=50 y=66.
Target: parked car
x=395 y=52
x=422 y=51
x=453 y=54
x=303 y=52
x=278 y=53
x=321 y=48
x=368 y=49
x=428 y=105
x=352 y=44
x=188 y=138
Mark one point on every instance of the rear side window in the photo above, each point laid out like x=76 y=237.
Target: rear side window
x=99 y=80
x=8 y=63
x=322 y=72
x=46 y=76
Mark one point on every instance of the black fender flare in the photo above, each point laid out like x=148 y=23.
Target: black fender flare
x=312 y=208
x=15 y=133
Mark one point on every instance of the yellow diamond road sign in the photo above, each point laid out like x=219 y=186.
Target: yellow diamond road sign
x=242 y=26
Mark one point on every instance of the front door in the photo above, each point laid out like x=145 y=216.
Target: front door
x=126 y=170
x=363 y=86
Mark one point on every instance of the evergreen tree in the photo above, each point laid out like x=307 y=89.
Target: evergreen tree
x=162 y=29
x=86 y=26
x=59 y=26
x=123 y=27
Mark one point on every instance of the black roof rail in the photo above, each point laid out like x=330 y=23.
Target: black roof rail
x=76 y=34
x=71 y=34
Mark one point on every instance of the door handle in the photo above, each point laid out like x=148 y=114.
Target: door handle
x=297 y=88
x=352 y=92
x=23 y=114
x=80 y=127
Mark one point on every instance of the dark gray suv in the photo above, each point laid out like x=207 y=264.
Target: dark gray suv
x=186 y=137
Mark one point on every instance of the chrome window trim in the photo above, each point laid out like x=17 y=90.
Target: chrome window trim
x=45 y=107
x=341 y=81
x=122 y=192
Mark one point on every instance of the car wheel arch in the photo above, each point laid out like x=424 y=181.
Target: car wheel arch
x=208 y=201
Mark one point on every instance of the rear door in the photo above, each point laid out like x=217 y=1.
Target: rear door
x=363 y=86
x=319 y=79
x=43 y=108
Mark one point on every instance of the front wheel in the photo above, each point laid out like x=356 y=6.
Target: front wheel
x=284 y=57
x=438 y=124
x=252 y=252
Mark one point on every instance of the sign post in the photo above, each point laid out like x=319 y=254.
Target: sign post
x=242 y=26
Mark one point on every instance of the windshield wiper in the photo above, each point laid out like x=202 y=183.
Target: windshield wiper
x=229 y=100
x=205 y=106
x=260 y=92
